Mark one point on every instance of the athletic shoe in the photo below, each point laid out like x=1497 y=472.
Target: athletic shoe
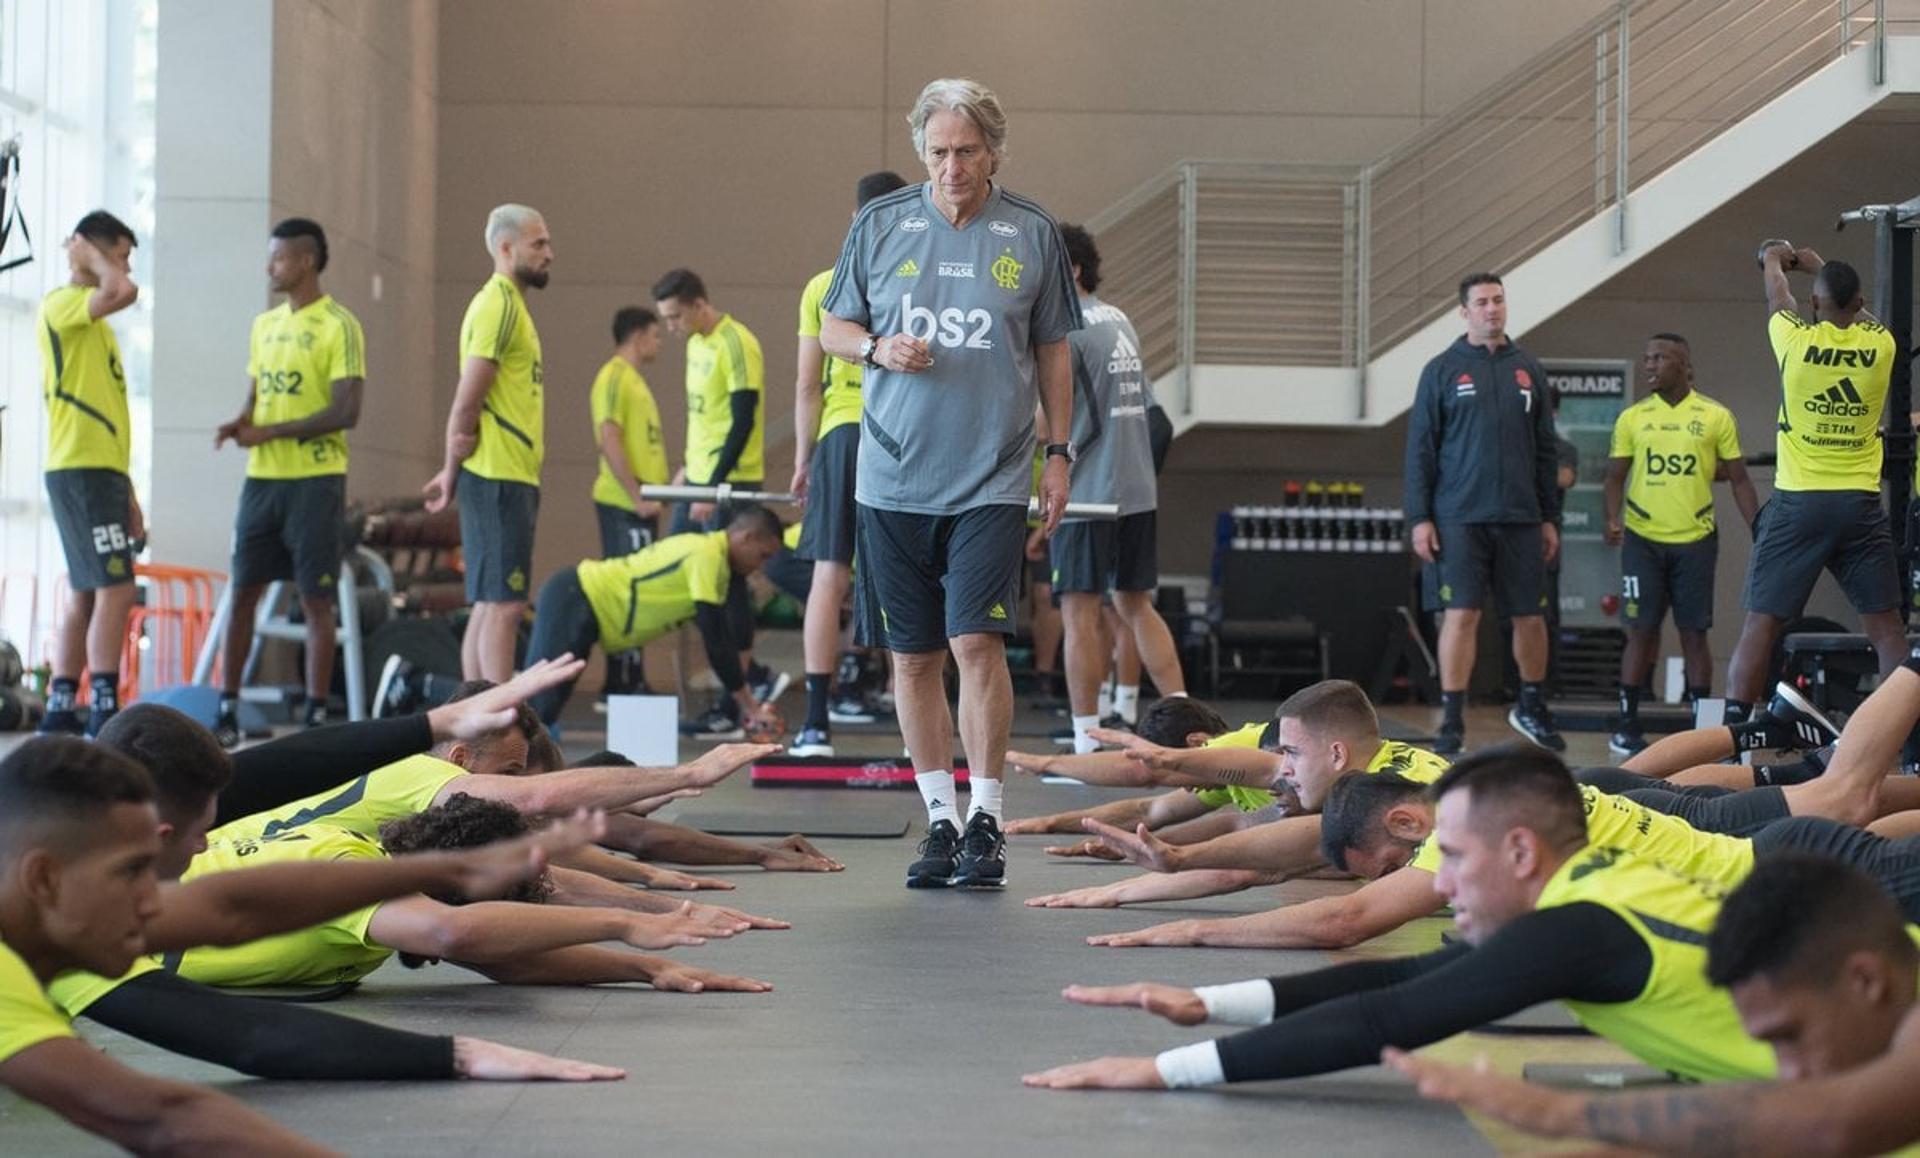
x=1805 y=725
x=767 y=684
x=812 y=742
x=1116 y=723
x=97 y=719
x=982 y=863
x=394 y=695
x=1626 y=742
x=716 y=723
x=1061 y=737
x=934 y=869
x=65 y=722
x=1451 y=738
x=1535 y=722
x=226 y=730
x=851 y=708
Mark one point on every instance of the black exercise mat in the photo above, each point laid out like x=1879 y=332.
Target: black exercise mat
x=825 y=823
x=1550 y=1019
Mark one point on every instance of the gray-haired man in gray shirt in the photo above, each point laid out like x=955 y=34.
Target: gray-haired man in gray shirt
x=957 y=297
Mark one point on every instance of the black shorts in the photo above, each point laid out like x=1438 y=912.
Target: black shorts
x=681 y=521
x=91 y=507
x=496 y=537
x=1477 y=557
x=924 y=579
x=1655 y=576
x=1801 y=532
x=1094 y=556
x=827 y=529
x=1039 y=571
x=1730 y=813
x=563 y=622
x=622 y=532
x=1894 y=863
x=289 y=528
x=790 y=573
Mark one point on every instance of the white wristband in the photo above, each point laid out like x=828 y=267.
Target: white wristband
x=1190 y=1065
x=1241 y=1003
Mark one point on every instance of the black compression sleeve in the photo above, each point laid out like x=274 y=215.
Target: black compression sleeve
x=268 y=1039
x=722 y=652
x=744 y=405
x=300 y=764
x=1580 y=951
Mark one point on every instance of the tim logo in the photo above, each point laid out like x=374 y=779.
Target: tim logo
x=1817 y=356
x=1840 y=401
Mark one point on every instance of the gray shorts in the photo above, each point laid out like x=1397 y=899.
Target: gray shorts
x=1802 y=532
x=622 y=532
x=924 y=579
x=1656 y=576
x=1094 y=556
x=827 y=530
x=91 y=506
x=496 y=537
x=289 y=528
x=1479 y=558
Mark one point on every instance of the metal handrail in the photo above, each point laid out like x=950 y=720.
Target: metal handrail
x=1257 y=251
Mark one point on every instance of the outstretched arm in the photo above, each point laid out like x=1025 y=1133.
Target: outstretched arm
x=678 y=844
x=609 y=788
x=1324 y=923
x=597 y=965
x=143 y=1114
x=1288 y=845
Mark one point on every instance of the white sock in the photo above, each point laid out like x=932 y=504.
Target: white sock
x=984 y=796
x=936 y=789
x=1083 y=743
x=1126 y=701
x=1106 y=701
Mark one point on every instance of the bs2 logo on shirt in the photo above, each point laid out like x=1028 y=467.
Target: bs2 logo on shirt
x=952 y=327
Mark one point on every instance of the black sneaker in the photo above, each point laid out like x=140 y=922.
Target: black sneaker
x=1805 y=726
x=812 y=742
x=62 y=722
x=934 y=869
x=1061 y=737
x=97 y=718
x=983 y=855
x=1115 y=723
x=1535 y=722
x=767 y=684
x=1451 y=738
x=1626 y=742
x=394 y=694
x=717 y=723
x=226 y=730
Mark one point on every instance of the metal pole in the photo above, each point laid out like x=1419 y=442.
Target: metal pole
x=1620 y=138
x=1600 y=122
x=1363 y=283
x=726 y=494
x=1893 y=306
x=1879 y=42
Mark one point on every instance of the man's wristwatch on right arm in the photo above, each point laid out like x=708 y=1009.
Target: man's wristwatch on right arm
x=868 y=349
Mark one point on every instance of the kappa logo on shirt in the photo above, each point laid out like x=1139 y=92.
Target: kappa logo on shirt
x=955 y=269
x=1003 y=228
x=907 y=268
x=914 y=225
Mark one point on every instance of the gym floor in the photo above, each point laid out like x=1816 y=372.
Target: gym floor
x=899 y=1020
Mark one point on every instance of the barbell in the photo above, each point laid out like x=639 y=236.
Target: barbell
x=724 y=492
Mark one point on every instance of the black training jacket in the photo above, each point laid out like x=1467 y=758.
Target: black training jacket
x=1480 y=442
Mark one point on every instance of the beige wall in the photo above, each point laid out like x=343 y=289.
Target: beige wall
x=727 y=136
x=354 y=147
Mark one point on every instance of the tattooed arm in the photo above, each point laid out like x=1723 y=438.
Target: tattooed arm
x=1867 y=1110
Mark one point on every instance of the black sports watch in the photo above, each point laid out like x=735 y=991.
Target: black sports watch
x=867 y=350
x=1062 y=450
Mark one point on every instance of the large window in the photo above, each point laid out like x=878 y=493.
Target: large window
x=76 y=90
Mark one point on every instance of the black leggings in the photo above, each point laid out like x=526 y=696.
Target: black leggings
x=268 y=1039
x=302 y=763
x=563 y=621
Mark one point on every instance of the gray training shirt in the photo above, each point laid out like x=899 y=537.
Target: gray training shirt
x=959 y=434
x=1110 y=401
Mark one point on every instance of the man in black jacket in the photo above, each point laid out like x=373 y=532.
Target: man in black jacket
x=1482 y=502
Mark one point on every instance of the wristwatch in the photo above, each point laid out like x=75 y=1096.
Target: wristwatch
x=1063 y=450
x=867 y=349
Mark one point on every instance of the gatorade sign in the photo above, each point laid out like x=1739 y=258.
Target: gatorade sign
x=1587 y=382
